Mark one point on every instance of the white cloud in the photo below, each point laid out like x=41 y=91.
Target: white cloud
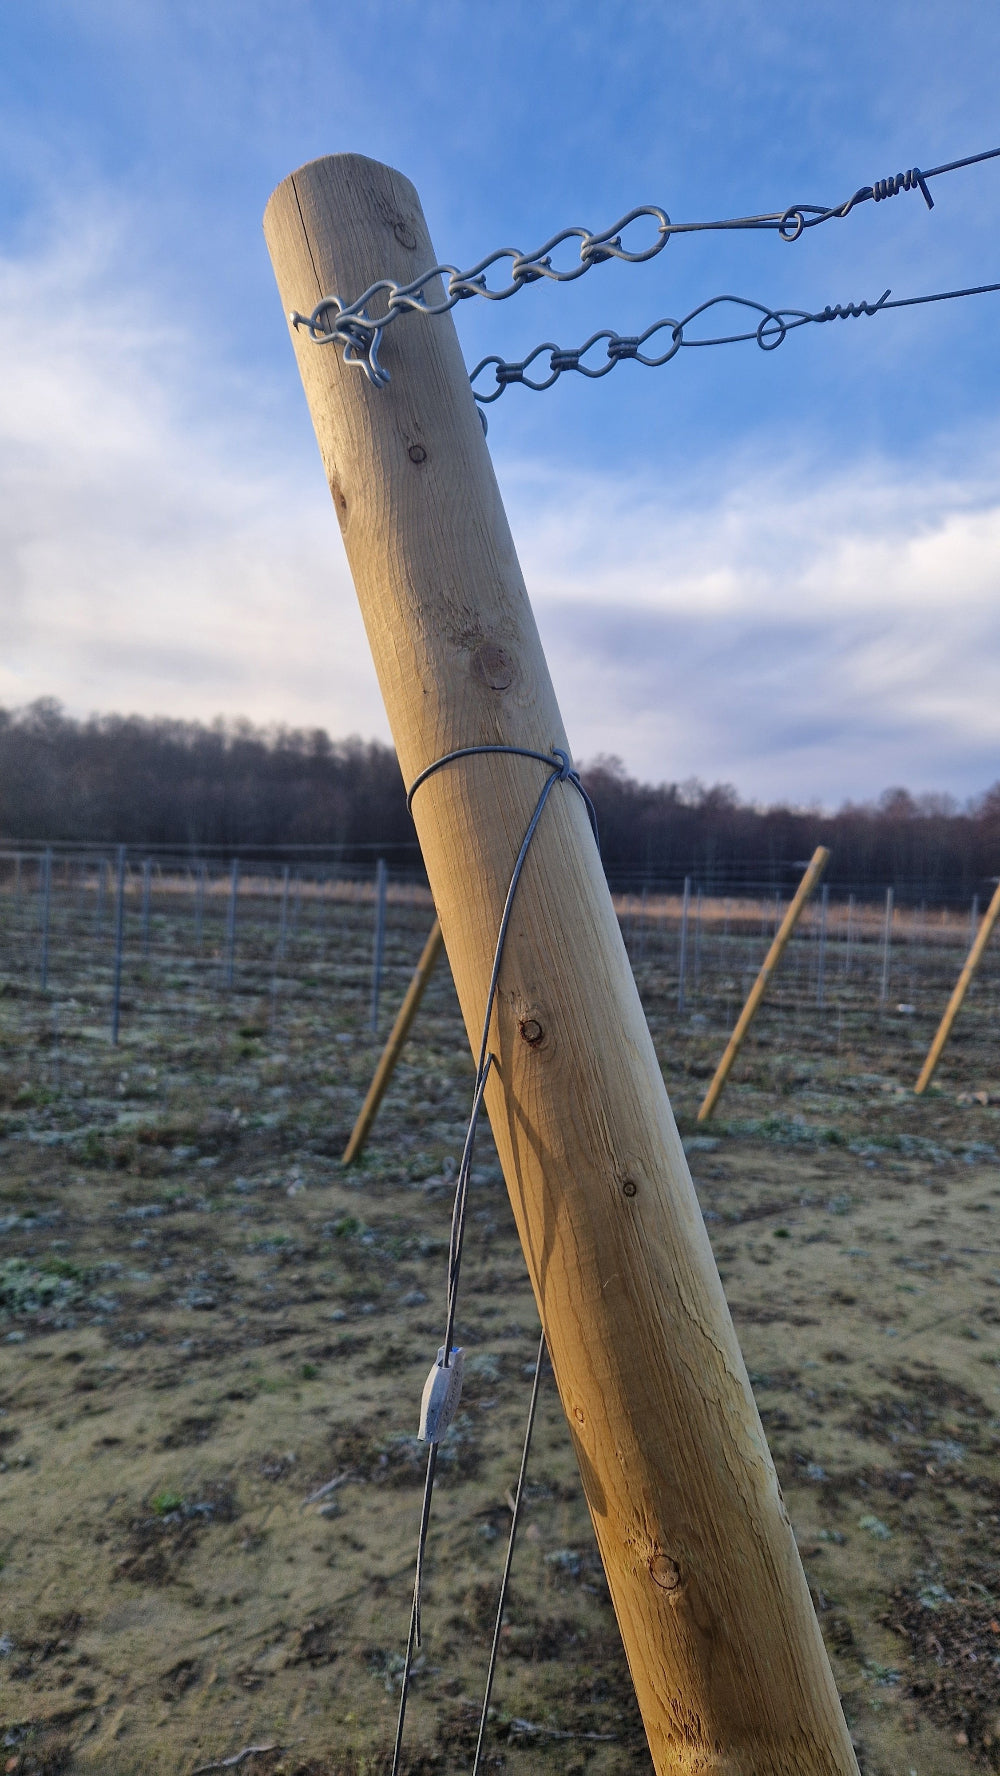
x=152 y=558
x=800 y=633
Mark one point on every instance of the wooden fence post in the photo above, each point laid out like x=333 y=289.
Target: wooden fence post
x=393 y=1048
x=959 y=991
x=818 y=863
x=725 y=1652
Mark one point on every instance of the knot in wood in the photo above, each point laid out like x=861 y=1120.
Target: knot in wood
x=531 y=1031
x=494 y=666
x=628 y=1188
x=664 y=1572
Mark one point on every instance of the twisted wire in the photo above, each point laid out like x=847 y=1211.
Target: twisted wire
x=560 y=771
x=360 y=333
x=771 y=331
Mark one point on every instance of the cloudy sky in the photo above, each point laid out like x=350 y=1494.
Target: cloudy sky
x=776 y=569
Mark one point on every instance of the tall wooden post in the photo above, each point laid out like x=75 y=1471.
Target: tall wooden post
x=959 y=991
x=726 y=1656
x=817 y=865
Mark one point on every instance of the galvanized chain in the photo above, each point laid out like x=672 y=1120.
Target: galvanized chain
x=350 y=324
x=771 y=331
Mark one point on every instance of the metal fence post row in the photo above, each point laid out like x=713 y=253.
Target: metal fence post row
x=234 y=888
x=848 y=956
x=283 y=914
x=378 y=955
x=116 y=984
x=147 y=889
x=101 y=887
x=45 y=914
x=640 y=954
x=883 y=991
x=824 y=904
x=682 y=957
x=199 y=906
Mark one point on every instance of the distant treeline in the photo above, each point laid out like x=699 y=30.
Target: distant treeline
x=233 y=787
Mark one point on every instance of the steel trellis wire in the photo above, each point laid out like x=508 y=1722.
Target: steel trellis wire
x=771 y=331
x=559 y=771
x=360 y=333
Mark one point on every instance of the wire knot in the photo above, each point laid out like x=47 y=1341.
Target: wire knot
x=913 y=180
x=851 y=311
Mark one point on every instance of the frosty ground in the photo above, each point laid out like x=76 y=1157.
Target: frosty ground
x=214 y=1340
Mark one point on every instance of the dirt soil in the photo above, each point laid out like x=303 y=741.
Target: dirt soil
x=214 y=1341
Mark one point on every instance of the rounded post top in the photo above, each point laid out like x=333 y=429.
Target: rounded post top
x=345 y=167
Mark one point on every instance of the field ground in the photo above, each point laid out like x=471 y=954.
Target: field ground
x=206 y=1320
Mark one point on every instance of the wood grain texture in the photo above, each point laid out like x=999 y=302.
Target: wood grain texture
x=726 y=1656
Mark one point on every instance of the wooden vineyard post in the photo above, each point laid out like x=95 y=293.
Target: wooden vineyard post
x=817 y=865
x=725 y=1652
x=959 y=991
x=391 y=1052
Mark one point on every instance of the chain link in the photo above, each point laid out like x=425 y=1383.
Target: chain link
x=360 y=333
x=334 y=322
x=772 y=329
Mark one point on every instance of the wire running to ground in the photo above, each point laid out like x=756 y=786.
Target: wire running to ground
x=560 y=771
x=772 y=329
x=515 y=1518
x=360 y=333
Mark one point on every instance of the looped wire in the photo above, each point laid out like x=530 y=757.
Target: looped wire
x=799 y=217
x=560 y=770
x=770 y=331
x=351 y=325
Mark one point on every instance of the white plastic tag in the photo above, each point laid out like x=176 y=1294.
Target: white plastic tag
x=442 y=1392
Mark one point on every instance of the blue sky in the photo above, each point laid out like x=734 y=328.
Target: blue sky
x=774 y=569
